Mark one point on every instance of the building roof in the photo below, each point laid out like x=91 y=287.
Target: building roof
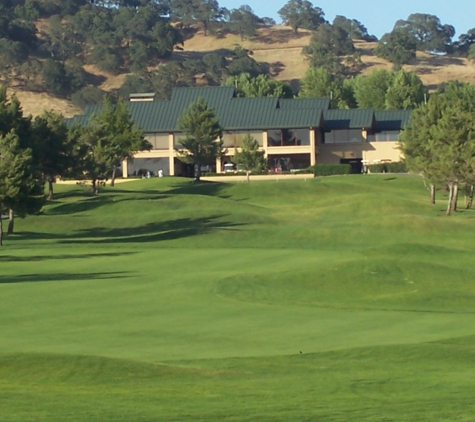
x=348 y=119
x=304 y=103
x=392 y=119
x=253 y=113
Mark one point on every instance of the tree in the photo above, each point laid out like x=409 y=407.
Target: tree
x=55 y=77
x=244 y=22
x=259 y=86
x=354 y=28
x=250 y=158
x=242 y=62
x=471 y=53
x=465 y=43
x=326 y=46
x=318 y=82
x=406 y=91
x=428 y=31
x=384 y=90
x=110 y=137
x=301 y=14
x=399 y=47
x=440 y=142
x=51 y=151
x=206 y=12
x=202 y=143
x=20 y=192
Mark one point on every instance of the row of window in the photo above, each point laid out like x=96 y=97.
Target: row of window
x=285 y=137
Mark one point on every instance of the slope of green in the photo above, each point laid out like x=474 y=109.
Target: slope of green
x=167 y=300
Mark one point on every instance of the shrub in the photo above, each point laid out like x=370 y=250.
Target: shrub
x=399 y=167
x=87 y=95
x=330 y=169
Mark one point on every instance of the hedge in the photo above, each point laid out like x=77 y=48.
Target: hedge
x=399 y=167
x=330 y=169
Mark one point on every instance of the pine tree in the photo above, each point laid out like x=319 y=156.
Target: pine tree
x=250 y=158
x=202 y=143
x=20 y=191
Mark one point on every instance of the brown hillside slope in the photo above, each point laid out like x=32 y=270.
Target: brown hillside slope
x=281 y=49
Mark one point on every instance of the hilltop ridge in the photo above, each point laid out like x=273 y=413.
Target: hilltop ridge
x=279 y=48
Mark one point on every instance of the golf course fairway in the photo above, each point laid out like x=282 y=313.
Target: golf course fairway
x=347 y=298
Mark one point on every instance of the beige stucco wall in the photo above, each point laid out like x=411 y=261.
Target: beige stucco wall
x=370 y=152
x=382 y=151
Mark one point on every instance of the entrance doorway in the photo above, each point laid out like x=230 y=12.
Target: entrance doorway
x=355 y=163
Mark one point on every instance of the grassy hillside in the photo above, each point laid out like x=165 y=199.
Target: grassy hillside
x=282 y=50
x=345 y=298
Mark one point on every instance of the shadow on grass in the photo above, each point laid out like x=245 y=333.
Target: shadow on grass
x=151 y=232
x=39 y=278
x=11 y=258
x=92 y=203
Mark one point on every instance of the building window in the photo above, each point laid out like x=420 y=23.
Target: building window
x=288 y=137
x=233 y=139
x=157 y=140
x=343 y=136
x=384 y=136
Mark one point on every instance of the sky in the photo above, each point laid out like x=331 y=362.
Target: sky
x=378 y=16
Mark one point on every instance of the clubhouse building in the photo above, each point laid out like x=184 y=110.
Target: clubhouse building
x=293 y=133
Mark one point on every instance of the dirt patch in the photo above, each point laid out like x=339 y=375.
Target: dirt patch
x=35 y=103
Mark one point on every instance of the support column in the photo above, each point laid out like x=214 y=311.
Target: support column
x=171 y=154
x=264 y=142
x=125 y=169
x=313 y=147
x=218 y=165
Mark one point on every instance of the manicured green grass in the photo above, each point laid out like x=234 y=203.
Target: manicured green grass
x=166 y=300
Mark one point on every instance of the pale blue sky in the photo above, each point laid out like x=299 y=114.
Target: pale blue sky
x=378 y=16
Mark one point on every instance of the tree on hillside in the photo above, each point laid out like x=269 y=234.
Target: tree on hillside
x=208 y=13
x=301 y=14
x=249 y=157
x=465 y=42
x=354 y=28
x=430 y=34
x=327 y=45
x=202 y=142
x=440 y=142
x=399 y=47
x=260 y=86
x=241 y=62
x=244 y=22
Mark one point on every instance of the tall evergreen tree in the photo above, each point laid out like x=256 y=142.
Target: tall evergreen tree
x=202 y=143
x=20 y=191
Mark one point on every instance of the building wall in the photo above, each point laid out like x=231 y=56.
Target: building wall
x=317 y=152
x=369 y=152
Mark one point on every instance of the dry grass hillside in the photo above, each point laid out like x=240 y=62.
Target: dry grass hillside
x=281 y=49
